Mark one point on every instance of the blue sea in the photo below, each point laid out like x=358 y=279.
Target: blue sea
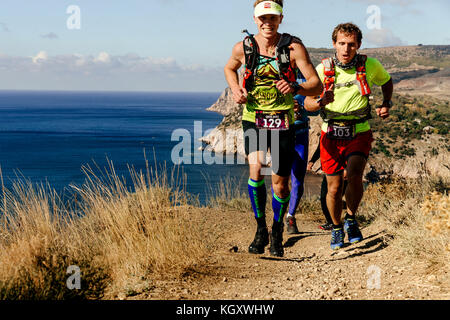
x=49 y=136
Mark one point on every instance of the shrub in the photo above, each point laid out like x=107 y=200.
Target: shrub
x=117 y=237
x=415 y=214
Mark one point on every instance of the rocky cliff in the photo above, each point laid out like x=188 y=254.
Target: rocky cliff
x=227 y=137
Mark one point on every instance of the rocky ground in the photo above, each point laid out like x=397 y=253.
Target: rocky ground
x=371 y=269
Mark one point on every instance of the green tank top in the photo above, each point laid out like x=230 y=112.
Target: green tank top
x=265 y=96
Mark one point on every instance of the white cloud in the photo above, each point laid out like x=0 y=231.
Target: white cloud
x=40 y=57
x=106 y=72
x=103 y=57
x=383 y=38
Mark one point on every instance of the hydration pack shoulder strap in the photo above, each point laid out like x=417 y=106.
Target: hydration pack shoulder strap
x=283 y=54
x=361 y=76
x=251 y=53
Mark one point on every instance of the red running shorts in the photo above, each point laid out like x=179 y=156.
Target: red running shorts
x=334 y=154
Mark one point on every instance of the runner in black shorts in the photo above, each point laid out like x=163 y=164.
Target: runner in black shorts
x=271 y=62
x=285 y=142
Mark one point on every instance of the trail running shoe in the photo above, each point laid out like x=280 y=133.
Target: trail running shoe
x=291 y=225
x=276 y=242
x=260 y=242
x=352 y=230
x=326 y=227
x=337 y=239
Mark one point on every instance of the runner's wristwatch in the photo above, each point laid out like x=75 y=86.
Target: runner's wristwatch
x=389 y=103
x=295 y=86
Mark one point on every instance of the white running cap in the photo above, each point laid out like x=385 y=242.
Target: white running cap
x=268 y=7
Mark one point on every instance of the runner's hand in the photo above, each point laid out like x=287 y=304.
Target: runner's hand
x=309 y=166
x=383 y=112
x=284 y=87
x=328 y=97
x=239 y=95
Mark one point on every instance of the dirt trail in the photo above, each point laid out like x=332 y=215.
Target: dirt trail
x=371 y=269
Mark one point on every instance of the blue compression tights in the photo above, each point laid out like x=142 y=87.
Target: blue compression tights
x=298 y=171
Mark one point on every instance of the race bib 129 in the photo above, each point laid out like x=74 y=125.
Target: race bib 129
x=272 y=120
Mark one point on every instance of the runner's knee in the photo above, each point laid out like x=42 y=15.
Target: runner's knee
x=335 y=192
x=335 y=188
x=281 y=188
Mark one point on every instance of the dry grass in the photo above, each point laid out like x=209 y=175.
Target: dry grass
x=227 y=195
x=119 y=238
x=36 y=248
x=416 y=214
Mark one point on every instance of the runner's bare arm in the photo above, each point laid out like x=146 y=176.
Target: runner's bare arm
x=313 y=85
x=388 y=90
x=313 y=104
x=231 y=73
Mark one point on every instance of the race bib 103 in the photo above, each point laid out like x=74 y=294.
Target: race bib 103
x=341 y=131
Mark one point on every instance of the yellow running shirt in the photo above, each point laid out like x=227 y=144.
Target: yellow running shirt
x=348 y=99
x=265 y=95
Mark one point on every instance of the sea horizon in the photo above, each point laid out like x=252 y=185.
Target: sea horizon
x=49 y=136
x=107 y=91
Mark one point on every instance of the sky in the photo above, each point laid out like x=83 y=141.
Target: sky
x=179 y=45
